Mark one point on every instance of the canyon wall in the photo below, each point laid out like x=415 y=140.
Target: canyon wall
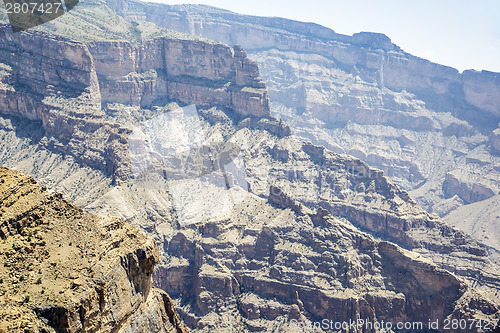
x=275 y=261
x=188 y=71
x=375 y=52
x=315 y=231
x=65 y=84
x=429 y=127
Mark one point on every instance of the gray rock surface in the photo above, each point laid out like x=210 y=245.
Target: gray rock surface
x=427 y=126
x=316 y=231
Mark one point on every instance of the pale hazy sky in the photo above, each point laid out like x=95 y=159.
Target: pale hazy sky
x=460 y=33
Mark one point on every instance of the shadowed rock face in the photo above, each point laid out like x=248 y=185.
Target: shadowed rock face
x=305 y=250
x=69 y=271
x=427 y=126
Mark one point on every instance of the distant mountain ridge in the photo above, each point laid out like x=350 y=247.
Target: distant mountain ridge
x=254 y=33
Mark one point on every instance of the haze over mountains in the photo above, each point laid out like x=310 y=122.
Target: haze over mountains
x=431 y=129
x=318 y=234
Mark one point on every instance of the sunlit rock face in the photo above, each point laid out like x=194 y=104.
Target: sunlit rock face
x=94 y=274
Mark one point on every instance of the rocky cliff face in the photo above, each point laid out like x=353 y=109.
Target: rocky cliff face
x=79 y=79
x=65 y=270
x=425 y=125
x=65 y=100
x=482 y=89
x=191 y=72
x=276 y=265
x=318 y=235
x=373 y=52
x=283 y=258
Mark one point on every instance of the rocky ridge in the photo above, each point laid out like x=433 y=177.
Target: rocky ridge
x=71 y=99
x=65 y=270
x=374 y=53
x=349 y=188
x=163 y=69
x=273 y=262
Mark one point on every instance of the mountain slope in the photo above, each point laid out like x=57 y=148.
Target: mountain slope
x=481 y=219
x=427 y=126
x=270 y=264
x=65 y=270
x=125 y=141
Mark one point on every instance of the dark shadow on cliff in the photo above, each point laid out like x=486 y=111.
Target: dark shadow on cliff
x=481 y=120
x=25 y=128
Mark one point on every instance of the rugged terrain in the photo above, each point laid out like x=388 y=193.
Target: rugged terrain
x=65 y=270
x=315 y=231
x=430 y=128
x=272 y=263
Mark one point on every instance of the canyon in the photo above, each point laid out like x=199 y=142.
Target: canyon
x=431 y=129
x=318 y=234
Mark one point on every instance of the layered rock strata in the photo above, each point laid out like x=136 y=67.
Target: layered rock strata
x=191 y=72
x=64 y=84
x=273 y=262
x=427 y=126
x=271 y=244
x=375 y=54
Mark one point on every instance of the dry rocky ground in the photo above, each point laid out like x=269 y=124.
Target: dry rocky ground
x=66 y=270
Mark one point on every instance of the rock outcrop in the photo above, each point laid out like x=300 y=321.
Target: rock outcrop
x=378 y=57
x=191 y=72
x=65 y=270
x=347 y=187
x=70 y=83
x=52 y=81
x=268 y=265
x=482 y=89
